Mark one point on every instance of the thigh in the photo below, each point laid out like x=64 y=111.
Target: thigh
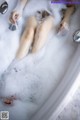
x=42 y=33
x=27 y=38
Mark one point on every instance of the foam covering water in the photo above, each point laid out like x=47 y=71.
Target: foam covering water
x=33 y=78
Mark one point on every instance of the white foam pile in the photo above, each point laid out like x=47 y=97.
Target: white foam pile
x=33 y=78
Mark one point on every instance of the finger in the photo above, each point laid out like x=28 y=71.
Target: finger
x=11 y=20
x=16 y=16
x=60 y=27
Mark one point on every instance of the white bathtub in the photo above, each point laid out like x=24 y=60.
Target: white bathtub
x=60 y=75
x=63 y=93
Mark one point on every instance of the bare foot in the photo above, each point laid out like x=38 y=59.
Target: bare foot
x=9 y=101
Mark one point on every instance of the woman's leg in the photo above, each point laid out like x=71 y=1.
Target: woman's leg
x=42 y=33
x=27 y=38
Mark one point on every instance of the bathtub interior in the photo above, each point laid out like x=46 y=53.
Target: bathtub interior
x=63 y=93
x=35 y=77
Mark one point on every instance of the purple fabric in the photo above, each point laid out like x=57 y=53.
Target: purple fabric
x=66 y=1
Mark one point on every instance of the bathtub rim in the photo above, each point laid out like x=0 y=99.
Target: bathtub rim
x=53 y=106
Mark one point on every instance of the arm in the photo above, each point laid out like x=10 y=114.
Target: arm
x=17 y=12
x=69 y=12
x=23 y=2
x=66 y=18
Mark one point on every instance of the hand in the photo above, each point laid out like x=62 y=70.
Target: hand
x=14 y=17
x=64 y=25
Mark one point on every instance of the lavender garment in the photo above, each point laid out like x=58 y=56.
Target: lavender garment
x=66 y=1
